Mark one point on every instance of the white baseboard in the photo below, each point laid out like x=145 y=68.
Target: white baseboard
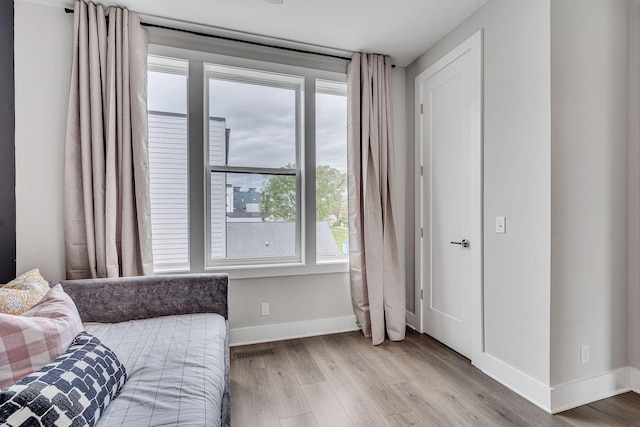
x=564 y=396
x=528 y=387
x=284 y=331
x=635 y=379
x=576 y=393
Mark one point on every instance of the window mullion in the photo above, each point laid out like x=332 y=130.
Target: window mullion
x=265 y=171
x=196 y=166
x=308 y=156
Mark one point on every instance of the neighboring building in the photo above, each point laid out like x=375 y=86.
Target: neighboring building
x=168 y=163
x=218 y=155
x=168 y=180
x=245 y=201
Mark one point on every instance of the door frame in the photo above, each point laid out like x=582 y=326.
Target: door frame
x=473 y=47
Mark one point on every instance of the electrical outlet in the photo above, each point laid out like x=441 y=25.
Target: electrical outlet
x=264 y=309
x=584 y=354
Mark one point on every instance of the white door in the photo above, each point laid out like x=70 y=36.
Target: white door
x=450 y=138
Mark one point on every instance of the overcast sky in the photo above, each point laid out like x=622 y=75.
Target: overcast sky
x=261 y=120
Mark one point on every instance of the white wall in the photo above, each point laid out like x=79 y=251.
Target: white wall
x=561 y=161
x=633 y=301
x=517 y=173
x=589 y=86
x=398 y=84
x=42 y=71
x=299 y=304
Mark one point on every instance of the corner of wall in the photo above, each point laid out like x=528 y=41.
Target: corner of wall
x=517 y=381
x=563 y=396
x=589 y=208
x=635 y=380
x=633 y=300
x=581 y=392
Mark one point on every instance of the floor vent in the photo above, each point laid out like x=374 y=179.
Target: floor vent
x=250 y=354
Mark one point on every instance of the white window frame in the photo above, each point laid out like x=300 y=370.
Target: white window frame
x=258 y=77
x=330 y=87
x=162 y=64
x=292 y=64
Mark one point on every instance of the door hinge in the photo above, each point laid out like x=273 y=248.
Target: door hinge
x=421 y=232
x=421 y=108
x=421 y=293
x=421 y=170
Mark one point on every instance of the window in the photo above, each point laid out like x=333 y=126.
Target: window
x=254 y=142
x=332 y=238
x=168 y=170
x=242 y=153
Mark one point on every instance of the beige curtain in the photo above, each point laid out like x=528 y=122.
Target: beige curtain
x=106 y=190
x=377 y=289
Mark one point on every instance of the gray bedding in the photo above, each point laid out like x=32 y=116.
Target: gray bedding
x=145 y=306
x=175 y=379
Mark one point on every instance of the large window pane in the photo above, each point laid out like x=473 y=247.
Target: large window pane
x=253 y=146
x=168 y=171
x=260 y=123
x=332 y=233
x=252 y=216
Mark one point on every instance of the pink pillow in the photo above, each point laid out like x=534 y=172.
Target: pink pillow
x=39 y=335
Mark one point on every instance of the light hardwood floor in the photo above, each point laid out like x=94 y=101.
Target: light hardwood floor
x=342 y=380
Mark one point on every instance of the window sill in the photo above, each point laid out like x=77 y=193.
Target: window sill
x=259 y=271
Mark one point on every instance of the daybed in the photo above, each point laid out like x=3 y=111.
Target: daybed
x=171 y=334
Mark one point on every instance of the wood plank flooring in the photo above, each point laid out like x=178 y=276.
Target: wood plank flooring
x=342 y=380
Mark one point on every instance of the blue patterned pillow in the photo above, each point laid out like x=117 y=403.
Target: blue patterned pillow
x=73 y=390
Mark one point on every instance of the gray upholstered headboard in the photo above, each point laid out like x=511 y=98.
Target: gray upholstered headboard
x=131 y=298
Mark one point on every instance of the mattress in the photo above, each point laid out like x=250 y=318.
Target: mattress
x=175 y=367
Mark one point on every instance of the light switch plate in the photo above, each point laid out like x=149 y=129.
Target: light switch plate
x=501 y=224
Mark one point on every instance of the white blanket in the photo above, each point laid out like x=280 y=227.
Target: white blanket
x=175 y=368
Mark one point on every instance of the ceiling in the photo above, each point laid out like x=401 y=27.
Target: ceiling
x=402 y=29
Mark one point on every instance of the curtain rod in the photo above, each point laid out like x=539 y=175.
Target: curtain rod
x=197 y=33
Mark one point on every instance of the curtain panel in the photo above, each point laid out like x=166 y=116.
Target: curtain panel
x=106 y=189
x=377 y=288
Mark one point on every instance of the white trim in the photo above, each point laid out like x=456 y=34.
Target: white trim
x=256 y=76
x=473 y=47
x=473 y=42
x=528 y=387
x=285 y=331
x=564 y=396
x=576 y=393
x=635 y=379
x=419 y=270
x=475 y=134
x=413 y=321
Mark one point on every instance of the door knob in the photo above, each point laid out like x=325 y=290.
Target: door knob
x=464 y=243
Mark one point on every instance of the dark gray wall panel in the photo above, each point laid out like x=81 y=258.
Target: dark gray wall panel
x=7 y=146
